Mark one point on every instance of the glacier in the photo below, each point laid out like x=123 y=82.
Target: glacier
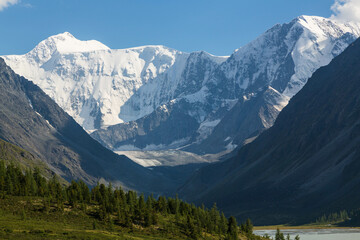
x=93 y=83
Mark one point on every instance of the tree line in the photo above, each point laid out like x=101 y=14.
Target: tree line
x=333 y=217
x=116 y=206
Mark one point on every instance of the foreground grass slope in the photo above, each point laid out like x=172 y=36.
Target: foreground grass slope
x=11 y=153
x=33 y=207
x=26 y=218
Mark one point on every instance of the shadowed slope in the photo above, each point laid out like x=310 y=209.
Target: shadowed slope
x=33 y=121
x=306 y=164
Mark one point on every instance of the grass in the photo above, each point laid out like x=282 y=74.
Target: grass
x=11 y=153
x=25 y=218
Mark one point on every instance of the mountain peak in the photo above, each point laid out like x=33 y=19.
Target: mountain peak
x=321 y=25
x=67 y=43
x=63 y=35
x=63 y=43
x=308 y=17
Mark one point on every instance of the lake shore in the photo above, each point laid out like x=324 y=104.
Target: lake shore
x=274 y=227
x=306 y=233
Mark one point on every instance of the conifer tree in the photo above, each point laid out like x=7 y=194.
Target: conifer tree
x=190 y=228
x=247 y=228
x=223 y=224
x=232 y=229
x=147 y=219
x=279 y=235
x=2 y=177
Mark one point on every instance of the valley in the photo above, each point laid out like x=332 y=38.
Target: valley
x=151 y=142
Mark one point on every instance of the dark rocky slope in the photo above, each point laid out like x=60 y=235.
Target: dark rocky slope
x=242 y=123
x=308 y=163
x=33 y=121
x=166 y=125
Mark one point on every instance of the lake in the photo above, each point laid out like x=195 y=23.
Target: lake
x=316 y=234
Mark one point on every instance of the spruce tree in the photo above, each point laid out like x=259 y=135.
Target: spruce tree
x=279 y=235
x=223 y=224
x=190 y=228
x=232 y=229
x=147 y=219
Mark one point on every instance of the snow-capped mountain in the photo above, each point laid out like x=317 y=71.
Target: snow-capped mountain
x=241 y=96
x=284 y=57
x=94 y=84
x=153 y=97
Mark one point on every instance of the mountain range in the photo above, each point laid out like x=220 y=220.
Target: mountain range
x=304 y=166
x=157 y=98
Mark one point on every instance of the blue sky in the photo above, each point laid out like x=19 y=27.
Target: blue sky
x=215 y=26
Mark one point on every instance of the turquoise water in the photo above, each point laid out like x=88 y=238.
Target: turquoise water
x=317 y=234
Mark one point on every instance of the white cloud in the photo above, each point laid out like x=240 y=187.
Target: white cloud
x=346 y=10
x=7 y=3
